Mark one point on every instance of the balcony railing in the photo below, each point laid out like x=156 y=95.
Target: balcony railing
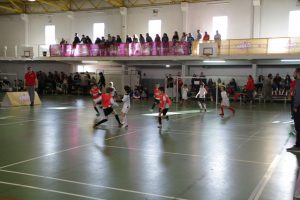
x=262 y=46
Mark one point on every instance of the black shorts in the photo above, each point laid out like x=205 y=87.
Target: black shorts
x=164 y=111
x=156 y=101
x=108 y=111
x=201 y=100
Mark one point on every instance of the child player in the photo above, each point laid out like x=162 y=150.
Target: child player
x=126 y=105
x=107 y=103
x=156 y=97
x=201 y=94
x=225 y=102
x=164 y=104
x=96 y=96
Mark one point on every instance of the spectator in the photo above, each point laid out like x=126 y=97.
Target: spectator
x=97 y=41
x=250 y=88
x=157 y=38
x=30 y=82
x=260 y=83
x=206 y=37
x=134 y=39
x=276 y=84
x=203 y=78
x=42 y=79
x=287 y=84
x=113 y=40
x=183 y=37
x=101 y=82
x=233 y=85
x=88 y=40
x=83 y=39
x=165 y=38
x=267 y=88
x=142 y=39
x=190 y=40
x=199 y=35
x=128 y=39
x=109 y=39
x=217 y=39
x=119 y=40
x=62 y=41
x=148 y=38
x=175 y=37
x=76 y=39
x=102 y=40
x=170 y=85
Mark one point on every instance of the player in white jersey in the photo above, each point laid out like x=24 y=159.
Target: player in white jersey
x=225 y=102
x=126 y=105
x=201 y=94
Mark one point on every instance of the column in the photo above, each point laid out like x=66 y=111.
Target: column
x=123 y=77
x=123 y=12
x=72 y=27
x=256 y=18
x=254 y=70
x=185 y=9
x=184 y=70
x=24 y=17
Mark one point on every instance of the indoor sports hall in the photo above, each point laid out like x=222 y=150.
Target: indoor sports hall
x=149 y=100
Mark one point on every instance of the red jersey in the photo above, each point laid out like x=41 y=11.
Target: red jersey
x=156 y=94
x=293 y=87
x=96 y=93
x=165 y=101
x=106 y=100
x=250 y=85
x=30 y=79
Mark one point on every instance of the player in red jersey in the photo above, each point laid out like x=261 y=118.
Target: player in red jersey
x=164 y=104
x=156 y=97
x=96 y=96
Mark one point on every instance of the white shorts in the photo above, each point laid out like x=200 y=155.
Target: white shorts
x=97 y=100
x=125 y=109
x=184 y=97
x=225 y=103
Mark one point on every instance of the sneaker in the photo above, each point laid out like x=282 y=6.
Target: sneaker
x=221 y=114
x=97 y=114
x=95 y=126
x=151 y=110
x=120 y=125
x=204 y=110
x=167 y=118
x=293 y=149
x=126 y=125
x=159 y=126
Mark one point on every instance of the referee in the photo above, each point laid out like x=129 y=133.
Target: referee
x=30 y=83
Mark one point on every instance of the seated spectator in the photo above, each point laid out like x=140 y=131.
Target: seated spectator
x=128 y=39
x=183 y=37
x=190 y=38
x=232 y=84
x=119 y=40
x=206 y=37
x=157 y=38
x=142 y=39
x=276 y=84
x=175 y=37
x=199 y=35
x=287 y=84
x=165 y=38
x=148 y=38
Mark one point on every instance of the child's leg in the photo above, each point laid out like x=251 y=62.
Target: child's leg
x=117 y=117
x=200 y=105
x=231 y=109
x=222 y=110
x=159 y=117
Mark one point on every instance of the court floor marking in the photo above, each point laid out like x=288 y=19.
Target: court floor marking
x=94 y=185
x=58 y=152
x=49 y=190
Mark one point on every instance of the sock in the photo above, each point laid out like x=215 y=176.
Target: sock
x=200 y=105
x=101 y=122
x=96 y=109
x=231 y=109
x=159 y=120
x=118 y=119
x=204 y=105
x=222 y=110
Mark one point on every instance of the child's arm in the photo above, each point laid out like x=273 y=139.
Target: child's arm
x=198 y=94
x=112 y=101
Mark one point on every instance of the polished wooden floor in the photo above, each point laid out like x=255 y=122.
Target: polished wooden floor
x=52 y=152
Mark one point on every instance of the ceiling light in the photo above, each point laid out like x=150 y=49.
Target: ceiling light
x=31 y=0
x=167 y=66
x=214 y=61
x=89 y=62
x=291 y=60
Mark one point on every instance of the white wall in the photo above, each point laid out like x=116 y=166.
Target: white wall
x=275 y=17
x=239 y=14
x=282 y=70
x=158 y=72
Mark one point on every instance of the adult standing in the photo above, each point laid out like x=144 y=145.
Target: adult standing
x=267 y=88
x=250 y=88
x=30 y=82
x=297 y=112
x=170 y=86
x=101 y=81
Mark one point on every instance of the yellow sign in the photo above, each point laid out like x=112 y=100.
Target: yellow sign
x=19 y=99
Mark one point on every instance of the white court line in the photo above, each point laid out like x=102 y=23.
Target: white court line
x=93 y=185
x=49 y=190
x=19 y=122
x=50 y=154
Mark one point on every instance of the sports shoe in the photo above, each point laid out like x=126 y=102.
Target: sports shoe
x=120 y=125
x=205 y=110
x=167 y=118
x=95 y=126
x=151 y=110
x=97 y=114
x=159 y=126
x=125 y=125
x=221 y=114
x=293 y=149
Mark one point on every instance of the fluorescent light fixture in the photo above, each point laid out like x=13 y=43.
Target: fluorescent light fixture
x=167 y=66
x=290 y=60
x=31 y=0
x=89 y=62
x=214 y=61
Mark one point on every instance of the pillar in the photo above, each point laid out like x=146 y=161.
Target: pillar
x=256 y=18
x=184 y=70
x=123 y=77
x=185 y=9
x=24 y=17
x=254 y=70
x=123 y=12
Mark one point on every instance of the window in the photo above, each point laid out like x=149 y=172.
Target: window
x=154 y=27
x=98 y=30
x=220 y=24
x=50 y=34
x=294 y=28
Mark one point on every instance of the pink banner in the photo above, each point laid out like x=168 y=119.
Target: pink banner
x=122 y=49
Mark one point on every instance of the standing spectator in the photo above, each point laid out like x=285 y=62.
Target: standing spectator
x=119 y=40
x=206 y=37
x=183 y=37
x=76 y=39
x=297 y=112
x=142 y=39
x=97 y=41
x=101 y=82
x=157 y=38
x=63 y=41
x=217 y=39
x=199 y=35
x=190 y=40
x=170 y=85
x=165 y=38
x=83 y=39
x=276 y=84
x=287 y=84
x=175 y=37
x=128 y=39
x=135 y=39
x=42 y=78
x=30 y=82
x=180 y=84
x=148 y=38
x=267 y=88
x=260 y=83
x=250 y=88
x=88 y=40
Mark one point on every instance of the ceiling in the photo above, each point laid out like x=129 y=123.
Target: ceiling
x=52 y=6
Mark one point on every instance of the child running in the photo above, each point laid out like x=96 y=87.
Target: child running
x=201 y=94
x=225 y=102
x=164 y=104
x=96 y=96
x=156 y=97
x=107 y=103
x=126 y=105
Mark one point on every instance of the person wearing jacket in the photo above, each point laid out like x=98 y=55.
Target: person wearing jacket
x=250 y=88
